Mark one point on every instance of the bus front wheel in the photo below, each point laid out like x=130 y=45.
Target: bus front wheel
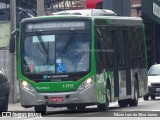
x=71 y=107
x=40 y=109
x=81 y=107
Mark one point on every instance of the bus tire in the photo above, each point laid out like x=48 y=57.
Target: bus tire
x=81 y=107
x=105 y=106
x=146 y=97
x=40 y=109
x=71 y=107
x=123 y=103
x=134 y=102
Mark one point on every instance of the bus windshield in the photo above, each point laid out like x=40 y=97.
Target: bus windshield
x=44 y=53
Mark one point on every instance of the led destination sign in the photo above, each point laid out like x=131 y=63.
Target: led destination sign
x=57 y=25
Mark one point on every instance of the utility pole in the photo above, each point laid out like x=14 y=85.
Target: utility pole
x=13 y=56
x=40 y=7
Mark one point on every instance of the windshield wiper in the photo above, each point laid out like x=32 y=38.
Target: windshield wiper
x=44 y=49
x=68 y=41
x=42 y=44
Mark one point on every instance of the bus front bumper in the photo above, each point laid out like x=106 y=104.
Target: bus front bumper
x=59 y=99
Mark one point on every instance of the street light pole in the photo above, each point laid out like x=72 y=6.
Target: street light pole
x=13 y=57
x=40 y=7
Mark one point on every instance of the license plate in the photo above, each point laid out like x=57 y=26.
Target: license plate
x=158 y=89
x=57 y=99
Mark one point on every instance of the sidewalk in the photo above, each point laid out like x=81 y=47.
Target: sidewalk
x=18 y=107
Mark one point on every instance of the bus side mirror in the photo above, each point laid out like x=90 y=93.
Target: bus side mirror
x=12 y=45
x=100 y=39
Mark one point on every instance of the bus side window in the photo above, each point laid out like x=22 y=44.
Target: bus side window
x=120 y=48
x=100 y=59
x=108 y=44
x=140 y=47
x=132 y=49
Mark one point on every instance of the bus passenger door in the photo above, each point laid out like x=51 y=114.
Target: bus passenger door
x=100 y=67
x=121 y=62
x=128 y=64
x=115 y=66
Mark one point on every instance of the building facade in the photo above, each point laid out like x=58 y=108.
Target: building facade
x=151 y=18
x=136 y=8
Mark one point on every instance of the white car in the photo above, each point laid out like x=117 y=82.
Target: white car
x=153 y=82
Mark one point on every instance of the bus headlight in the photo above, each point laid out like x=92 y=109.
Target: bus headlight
x=26 y=85
x=87 y=83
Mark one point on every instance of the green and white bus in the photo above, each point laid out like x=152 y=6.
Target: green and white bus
x=75 y=61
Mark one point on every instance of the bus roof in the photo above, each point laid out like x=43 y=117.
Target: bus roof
x=87 y=12
x=120 y=20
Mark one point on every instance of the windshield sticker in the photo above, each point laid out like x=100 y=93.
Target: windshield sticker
x=45 y=38
x=59 y=60
x=60 y=68
x=31 y=68
x=45 y=68
x=45 y=76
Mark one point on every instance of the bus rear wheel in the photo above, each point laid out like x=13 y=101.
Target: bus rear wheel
x=40 y=109
x=134 y=102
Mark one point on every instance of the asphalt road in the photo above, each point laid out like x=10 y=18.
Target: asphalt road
x=145 y=108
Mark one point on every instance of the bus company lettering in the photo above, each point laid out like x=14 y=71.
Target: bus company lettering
x=42 y=88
